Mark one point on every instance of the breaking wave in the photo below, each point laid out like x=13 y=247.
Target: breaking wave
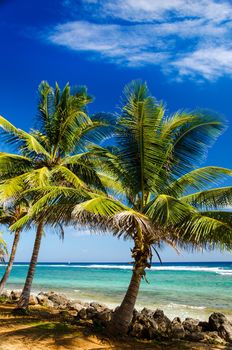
x=218 y=270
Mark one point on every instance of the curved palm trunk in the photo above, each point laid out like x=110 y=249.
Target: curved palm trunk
x=10 y=262
x=123 y=315
x=25 y=296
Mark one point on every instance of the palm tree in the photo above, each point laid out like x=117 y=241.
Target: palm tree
x=9 y=216
x=165 y=198
x=55 y=153
x=3 y=249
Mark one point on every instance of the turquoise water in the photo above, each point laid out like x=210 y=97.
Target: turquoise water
x=183 y=289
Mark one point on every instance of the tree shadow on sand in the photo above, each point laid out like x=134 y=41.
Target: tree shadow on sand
x=45 y=330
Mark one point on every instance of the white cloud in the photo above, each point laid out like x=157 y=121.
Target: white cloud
x=149 y=10
x=117 y=43
x=184 y=36
x=210 y=62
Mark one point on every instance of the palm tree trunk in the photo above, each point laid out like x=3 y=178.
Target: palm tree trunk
x=123 y=315
x=25 y=296
x=10 y=262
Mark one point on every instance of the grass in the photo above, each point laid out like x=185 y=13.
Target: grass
x=3 y=299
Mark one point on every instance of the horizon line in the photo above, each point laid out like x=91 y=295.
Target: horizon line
x=117 y=262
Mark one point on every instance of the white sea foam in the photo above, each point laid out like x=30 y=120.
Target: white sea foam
x=184 y=306
x=218 y=270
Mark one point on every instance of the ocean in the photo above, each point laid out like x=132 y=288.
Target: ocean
x=180 y=289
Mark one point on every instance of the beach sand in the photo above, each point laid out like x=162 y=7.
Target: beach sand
x=44 y=329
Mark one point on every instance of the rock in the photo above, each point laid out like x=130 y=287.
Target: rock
x=15 y=295
x=33 y=300
x=105 y=316
x=177 y=329
x=6 y=294
x=218 y=322
x=136 y=330
x=82 y=315
x=193 y=331
x=194 y=336
x=43 y=300
x=98 y=307
x=147 y=312
x=59 y=300
x=53 y=299
x=163 y=322
x=143 y=325
x=49 y=303
x=92 y=313
x=204 y=326
x=191 y=325
x=213 y=338
x=84 y=304
x=75 y=306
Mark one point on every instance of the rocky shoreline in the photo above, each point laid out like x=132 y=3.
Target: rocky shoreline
x=147 y=324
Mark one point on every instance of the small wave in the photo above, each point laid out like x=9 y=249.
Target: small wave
x=226 y=272
x=218 y=270
x=178 y=306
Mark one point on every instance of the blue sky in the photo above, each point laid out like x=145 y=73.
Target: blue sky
x=182 y=48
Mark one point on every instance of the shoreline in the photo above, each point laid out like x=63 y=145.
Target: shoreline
x=172 y=310
x=185 y=289
x=147 y=325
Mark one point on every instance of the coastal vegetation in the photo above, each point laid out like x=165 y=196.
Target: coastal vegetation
x=143 y=184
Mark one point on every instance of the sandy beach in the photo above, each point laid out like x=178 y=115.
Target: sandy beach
x=44 y=329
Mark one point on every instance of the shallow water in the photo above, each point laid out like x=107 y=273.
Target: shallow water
x=180 y=289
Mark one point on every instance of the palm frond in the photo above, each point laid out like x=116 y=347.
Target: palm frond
x=26 y=142
x=10 y=189
x=206 y=232
x=3 y=249
x=198 y=179
x=99 y=205
x=53 y=204
x=126 y=223
x=223 y=216
x=217 y=198
x=140 y=148
x=74 y=159
x=111 y=184
x=192 y=140
x=13 y=164
x=166 y=210
x=65 y=174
